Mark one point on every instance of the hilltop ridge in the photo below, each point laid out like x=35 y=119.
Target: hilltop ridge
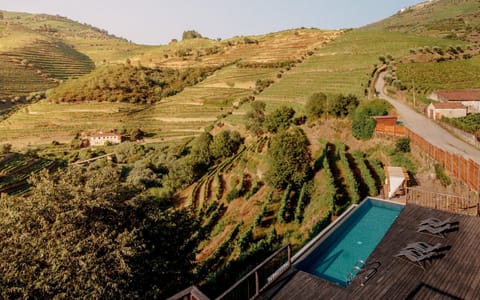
x=453 y=19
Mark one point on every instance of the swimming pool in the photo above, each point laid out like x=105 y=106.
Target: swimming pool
x=351 y=241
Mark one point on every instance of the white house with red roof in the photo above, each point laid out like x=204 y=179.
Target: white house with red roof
x=437 y=110
x=101 y=139
x=468 y=97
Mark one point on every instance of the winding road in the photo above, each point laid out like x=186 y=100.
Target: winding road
x=427 y=128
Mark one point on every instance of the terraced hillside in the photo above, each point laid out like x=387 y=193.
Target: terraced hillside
x=17 y=79
x=458 y=19
x=31 y=62
x=16 y=168
x=54 y=59
x=345 y=65
x=242 y=215
x=186 y=113
x=100 y=46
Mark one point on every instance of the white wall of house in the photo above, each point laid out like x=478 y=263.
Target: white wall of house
x=473 y=106
x=436 y=113
x=101 y=140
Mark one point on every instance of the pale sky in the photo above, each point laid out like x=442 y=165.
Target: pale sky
x=158 y=21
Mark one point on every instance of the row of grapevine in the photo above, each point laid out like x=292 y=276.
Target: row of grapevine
x=350 y=177
x=209 y=264
x=331 y=192
x=212 y=220
x=281 y=215
x=259 y=217
x=301 y=204
x=366 y=174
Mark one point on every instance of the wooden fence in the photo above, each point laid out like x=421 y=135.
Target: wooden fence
x=467 y=171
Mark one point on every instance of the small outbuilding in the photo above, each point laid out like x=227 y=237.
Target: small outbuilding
x=437 y=110
x=386 y=120
x=396 y=181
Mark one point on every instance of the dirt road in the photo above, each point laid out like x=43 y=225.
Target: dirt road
x=427 y=128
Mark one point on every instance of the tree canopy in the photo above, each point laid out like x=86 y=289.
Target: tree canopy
x=290 y=158
x=316 y=105
x=83 y=233
x=191 y=34
x=225 y=143
x=280 y=119
x=363 y=125
x=256 y=117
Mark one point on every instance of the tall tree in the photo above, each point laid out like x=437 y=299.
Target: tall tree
x=280 y=119
x=256 y=117
x=290 y=158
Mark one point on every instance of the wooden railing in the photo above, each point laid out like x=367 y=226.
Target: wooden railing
x=252 y=284
x=447 y=202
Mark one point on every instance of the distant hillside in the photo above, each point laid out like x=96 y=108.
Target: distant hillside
x=98 y=44
x=455 y=19
x=125 y=83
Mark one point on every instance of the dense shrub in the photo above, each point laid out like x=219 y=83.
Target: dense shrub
x=403 y=145
x=280 y=119
x=363 y=125
x=225 y=144
x=341 y=105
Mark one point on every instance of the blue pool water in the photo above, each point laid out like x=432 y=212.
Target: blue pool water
x=353 y=239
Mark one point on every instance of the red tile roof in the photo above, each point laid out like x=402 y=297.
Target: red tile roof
x=448 y=105
x=459 y=95
x=385 y=117
x=106 y=135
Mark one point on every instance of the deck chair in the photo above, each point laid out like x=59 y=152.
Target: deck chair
x=434 y=222
x=441 y=230
x=418 y=259
x=424 y=247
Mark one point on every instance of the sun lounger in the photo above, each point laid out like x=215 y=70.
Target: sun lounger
x=441 y=230
x=434 y=222
x=424 y=247
x=419 y=259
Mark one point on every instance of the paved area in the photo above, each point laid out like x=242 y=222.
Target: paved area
x=427 y=128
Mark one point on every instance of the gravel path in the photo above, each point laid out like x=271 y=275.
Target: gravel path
x=427 y=128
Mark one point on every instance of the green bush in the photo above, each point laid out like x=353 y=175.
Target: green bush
x=363 y=126
x=403 y=145
x=316 y=105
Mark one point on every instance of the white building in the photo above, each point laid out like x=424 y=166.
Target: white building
x=437 y=110
x=103 y=138
x=468 y=97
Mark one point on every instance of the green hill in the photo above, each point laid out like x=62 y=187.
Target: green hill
x=456 y=19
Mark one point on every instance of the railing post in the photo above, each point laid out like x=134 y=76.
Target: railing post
x=289 y=250
x=257 y=284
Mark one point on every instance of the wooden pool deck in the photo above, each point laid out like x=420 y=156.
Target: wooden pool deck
x=456 y=275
